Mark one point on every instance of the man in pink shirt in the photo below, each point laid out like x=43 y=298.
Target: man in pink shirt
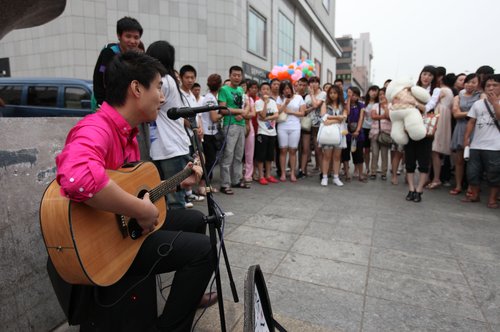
x=107 y=140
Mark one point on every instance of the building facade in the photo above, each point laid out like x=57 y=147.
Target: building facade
x=211 y=35
x=354 y=66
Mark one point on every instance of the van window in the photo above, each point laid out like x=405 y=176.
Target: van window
x=42 y=96
x=73 y=97
x=11 y=94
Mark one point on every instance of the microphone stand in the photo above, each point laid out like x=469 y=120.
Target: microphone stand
x=214 y=221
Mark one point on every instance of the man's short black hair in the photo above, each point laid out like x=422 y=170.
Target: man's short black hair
x=128 y=24
x=264 y=83
x=251 y=83
x=485 y=70
x=127 y=67
x=235 y=68
x=187 y=69
x=339 y=80
x=303 y=80
x=494 y=77
x=196 y=85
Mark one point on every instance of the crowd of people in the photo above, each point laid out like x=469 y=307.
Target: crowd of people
x=276 y=123
x=263 y=124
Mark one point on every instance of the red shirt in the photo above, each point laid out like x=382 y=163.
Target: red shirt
x=100 y=141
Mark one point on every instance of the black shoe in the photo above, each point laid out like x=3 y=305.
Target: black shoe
x=300 y=174
x=417 y=198
x=411 y=195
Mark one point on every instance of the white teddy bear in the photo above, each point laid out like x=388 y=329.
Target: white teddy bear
x=406 y=119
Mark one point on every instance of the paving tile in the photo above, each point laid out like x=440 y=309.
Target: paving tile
x=425 y=246
x=445 y=297
x=382 y=315
x=273 y=222
x=342 y=232
x=474 y=252
x=489 y=302
x=325 y=272
x=483 y=274
x=319 y=305
x=444 y=269
x=244 y=255
x=263 y=237
x=362 y=219
x=332 y=249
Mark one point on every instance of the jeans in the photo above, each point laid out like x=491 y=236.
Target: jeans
x=168 y=168
x=231 y=166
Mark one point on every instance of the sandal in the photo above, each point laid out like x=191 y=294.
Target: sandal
x=241 y=185
x=493 y=205
x=433 y=185
x=384 y=177
x=226 y=190
x=455 y=191
x=201 y=191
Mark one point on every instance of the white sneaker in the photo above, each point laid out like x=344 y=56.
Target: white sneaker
x=188 y=205
x=195 y=198
x=324 y=181
x=337 y=182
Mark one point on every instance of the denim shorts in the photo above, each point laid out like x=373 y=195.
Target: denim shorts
x=486 y=161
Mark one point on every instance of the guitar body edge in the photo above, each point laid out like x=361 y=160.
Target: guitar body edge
x=86 y=245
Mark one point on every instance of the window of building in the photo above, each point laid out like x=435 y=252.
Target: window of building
x=256 y=33
x=303 y=53
x=317 y=67
x=329 y=76
x=344 y=66
x=285 y=39
x=346 y=54
x=42 y=96
x=73 y=97
x=326 y=4
x=11 y=94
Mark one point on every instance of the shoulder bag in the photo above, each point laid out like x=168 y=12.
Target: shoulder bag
x=430 y=123
x=329 y=135
x=495 y=121
x=306 y=123
x=383 y=138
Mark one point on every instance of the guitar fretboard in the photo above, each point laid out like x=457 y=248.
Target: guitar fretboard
x=168 y=185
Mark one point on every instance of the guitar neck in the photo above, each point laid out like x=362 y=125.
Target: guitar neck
x=169 y=185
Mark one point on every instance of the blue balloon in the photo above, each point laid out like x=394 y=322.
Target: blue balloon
x=291 y=71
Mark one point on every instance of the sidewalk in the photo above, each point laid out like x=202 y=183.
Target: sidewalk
x=361 y=258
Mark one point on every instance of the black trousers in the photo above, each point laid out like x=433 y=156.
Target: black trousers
x=210 y=152
x=190 y=256
x=418 y=151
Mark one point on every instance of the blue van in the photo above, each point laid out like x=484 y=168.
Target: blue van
x=45 y=97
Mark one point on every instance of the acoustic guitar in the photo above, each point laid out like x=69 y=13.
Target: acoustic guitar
x=94 y=247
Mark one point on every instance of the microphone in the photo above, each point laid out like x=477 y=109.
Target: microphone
x=188 y=112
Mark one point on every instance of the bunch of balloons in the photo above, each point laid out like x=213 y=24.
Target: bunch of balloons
x=294 y=71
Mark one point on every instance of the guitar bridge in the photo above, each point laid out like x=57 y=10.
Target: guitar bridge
x=122 y=225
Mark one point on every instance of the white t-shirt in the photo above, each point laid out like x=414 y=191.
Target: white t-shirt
x=266 y=127
x=188 y=100
x=168 y=137
x=367 y=120
x=209 y=128
x=486 y=134
x=292 y=121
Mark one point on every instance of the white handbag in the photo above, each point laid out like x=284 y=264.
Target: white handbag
x=306 y=123
x=329 y=135
x=282 y=117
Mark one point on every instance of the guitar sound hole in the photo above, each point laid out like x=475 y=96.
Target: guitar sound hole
x=142 y=193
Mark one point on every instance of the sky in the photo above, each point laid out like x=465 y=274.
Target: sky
x=406 y=35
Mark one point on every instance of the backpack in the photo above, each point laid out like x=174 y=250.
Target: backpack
x=116 y=49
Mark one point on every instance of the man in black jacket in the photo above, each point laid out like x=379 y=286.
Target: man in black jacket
x=129 y=33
